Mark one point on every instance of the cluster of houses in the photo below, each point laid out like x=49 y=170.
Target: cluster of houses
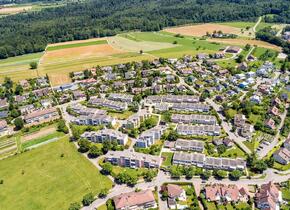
x=185 y=145
x=202 y=161
x=135 y=120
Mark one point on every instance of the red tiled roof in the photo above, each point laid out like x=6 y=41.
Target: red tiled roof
x=133 y=199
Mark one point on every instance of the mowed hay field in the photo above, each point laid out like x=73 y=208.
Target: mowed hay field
x=201 y=29
x=18 y=67
x=42 y=179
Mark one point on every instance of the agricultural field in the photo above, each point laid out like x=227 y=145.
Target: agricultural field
x=18 y=67
x=48 y=177
x=62 y=58
x=243 y=25
x=201 y=29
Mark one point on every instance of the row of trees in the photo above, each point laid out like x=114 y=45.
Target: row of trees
x=32 y=31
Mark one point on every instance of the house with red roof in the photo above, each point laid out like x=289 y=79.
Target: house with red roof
x=135 y=200
x=268 y=197
x=225 y=193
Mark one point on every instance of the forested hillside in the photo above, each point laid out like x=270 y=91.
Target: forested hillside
x=30 y=32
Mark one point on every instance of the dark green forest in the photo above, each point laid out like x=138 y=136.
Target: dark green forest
x=31 y=32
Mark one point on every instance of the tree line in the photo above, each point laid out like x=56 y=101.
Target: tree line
x=31 y=31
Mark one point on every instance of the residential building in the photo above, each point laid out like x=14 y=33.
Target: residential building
x=106 y=135
x=246 y=131
x=175 y=192
x=41 y=92
x=188 y=107
x=282 y=156
x=200 y=160
x=77 y=95
x=172 y=99
x=211 y=130
x=95 y=119
x=225 y=193
x=128 y=158
x=3 y=128
x=135 y=120
x=3 y=103
x=194 y=118
x=233 y=49
x=239 y=120
x=189 y=145
x=115 y=105
x=83 y=110
x=268 y=197
x=121 y=97
x=270 y=123
x=41 y=116
x=135 y=200
x=149 y=137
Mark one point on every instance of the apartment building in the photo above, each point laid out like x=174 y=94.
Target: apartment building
x=149 y=137
x=128 y=158
x=121 y=97
x=41 y=116
x=194 y=118
x=135 y=120
x=200 y=160
x=106 y=135
x=189 y=145
x=95 y=119
x=115 y=105
x=210 y=130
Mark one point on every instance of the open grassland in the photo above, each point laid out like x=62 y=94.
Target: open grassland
x=18 y=67
x=201 y=29
x=42 y=179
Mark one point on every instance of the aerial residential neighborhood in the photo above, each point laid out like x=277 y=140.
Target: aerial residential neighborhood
x=144 y=105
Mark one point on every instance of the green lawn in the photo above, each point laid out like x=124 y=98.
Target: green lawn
x=168 y=158
x=42 y=139
x=82 y=44
x=252 y=145
x=42 y=179
x=121 y=115
x=234 y=152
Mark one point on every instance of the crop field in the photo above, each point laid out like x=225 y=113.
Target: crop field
x=13 y=9
x=48 y=177
x=201 y=29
